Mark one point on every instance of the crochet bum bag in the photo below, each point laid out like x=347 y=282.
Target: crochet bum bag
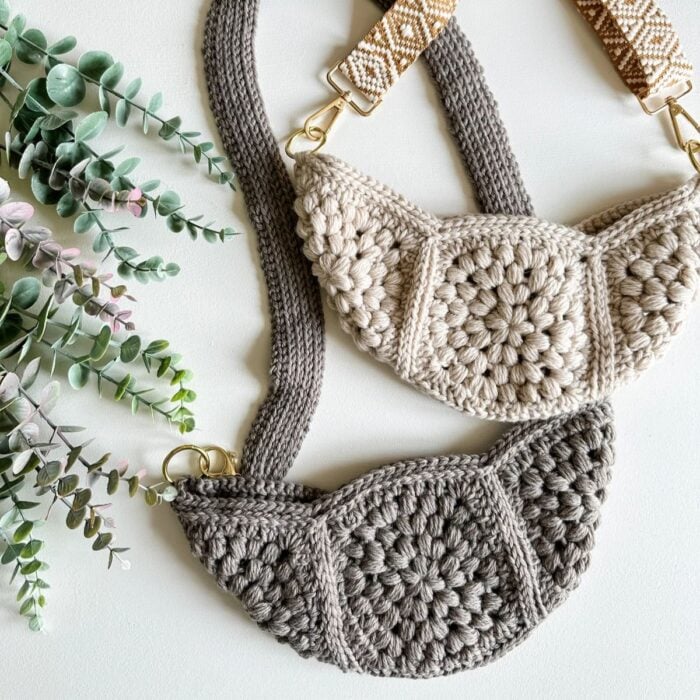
x=420 y=568
x=507 y=316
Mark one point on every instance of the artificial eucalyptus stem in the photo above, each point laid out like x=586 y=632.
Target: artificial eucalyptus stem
x=169 y=126
x=56 y=430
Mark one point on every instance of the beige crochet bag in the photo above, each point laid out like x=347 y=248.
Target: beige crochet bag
x=510 y=317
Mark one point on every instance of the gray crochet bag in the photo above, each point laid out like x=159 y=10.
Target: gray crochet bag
x=420 y=568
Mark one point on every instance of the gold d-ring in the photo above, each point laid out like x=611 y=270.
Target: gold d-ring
x=203 y=458
x=228 y=467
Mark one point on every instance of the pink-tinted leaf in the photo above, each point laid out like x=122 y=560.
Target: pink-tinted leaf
x=16 y=213
x=14 y=244
x=49 y=396
x=4 y=190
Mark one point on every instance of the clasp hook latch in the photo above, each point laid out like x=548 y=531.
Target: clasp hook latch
x=228 y=462
x=317 y=126
x=680 y=115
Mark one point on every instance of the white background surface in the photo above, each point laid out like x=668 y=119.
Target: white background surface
x=163 y=629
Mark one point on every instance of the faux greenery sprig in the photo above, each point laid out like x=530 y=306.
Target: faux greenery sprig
x=52 y=145
x=47 y=145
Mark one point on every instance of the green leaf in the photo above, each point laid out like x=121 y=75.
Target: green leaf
x=91 y=127
x=65 y=85
x=30 y=568
x=78 y=375
x=36 y=624
x=151 y=497
x=130 y=349
x=101 y=344
x=102 y=541
x=168 y=202
x=49 y=473
x=67 y=206
x=57 y=119
x=134 y=483
x=94 y=64
x=126 y=167
x=150 y=185
x=122 y=387
x=169 y=129
x=156 y=347
x=31 y=46
x=5 y=52
x=81 y=499
x=122 y=113
x=4 y=12
x=113 y=482
x=85 y=222
x=32 y=549
x=41 y=189
x=23 y=531
x=75 y=518
x=132 y=89
x=68 y=484
x=26 y=161
x=25 y=292
x=12 y=553
x=111 y=77
x=92 y=526
x=62 y=46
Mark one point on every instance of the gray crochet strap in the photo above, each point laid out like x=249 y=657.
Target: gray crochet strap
x=297 y=353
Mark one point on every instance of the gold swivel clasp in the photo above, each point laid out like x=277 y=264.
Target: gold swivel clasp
x=680 y=117
x=318 y=125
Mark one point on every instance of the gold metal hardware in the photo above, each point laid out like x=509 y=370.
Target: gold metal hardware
x=229 y=463
x=317 y=126
x=657 y=103
x=680 y=115
x=228 y=467
x=347 y=95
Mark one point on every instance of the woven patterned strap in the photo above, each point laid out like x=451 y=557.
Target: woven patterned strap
x=642 y=44
x=394 y=44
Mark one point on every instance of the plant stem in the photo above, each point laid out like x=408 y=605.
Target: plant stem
x=15 y=501
x=144 y=110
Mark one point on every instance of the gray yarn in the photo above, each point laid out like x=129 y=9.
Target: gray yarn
x=420 y=568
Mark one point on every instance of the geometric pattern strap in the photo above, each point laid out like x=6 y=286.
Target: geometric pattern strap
x=642 y=43
x=394 y=44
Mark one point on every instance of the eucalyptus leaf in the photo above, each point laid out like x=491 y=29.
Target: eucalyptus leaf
x=31 y=46
x=169 y=129
x=63 y=46
x=91 y=126
x=132 y=89
x=24 y=167
x=94 y=64
x=65 y=85
x=111 y=77
x=43 y=191
x=78 y=375
x=122 y=113
x=25 y=292
x=5 y=52
x=101 y=344
x=67 y=206
x=130 y=349
x=38 y=99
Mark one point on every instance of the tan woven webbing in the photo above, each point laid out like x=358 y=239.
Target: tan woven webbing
x=394 y=44
x=642 y=43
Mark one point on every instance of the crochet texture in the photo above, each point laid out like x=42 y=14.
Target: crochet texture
x=505 y=317
x=471 y=551
x=420 y=568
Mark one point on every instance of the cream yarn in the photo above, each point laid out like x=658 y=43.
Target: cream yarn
x=504 y=317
